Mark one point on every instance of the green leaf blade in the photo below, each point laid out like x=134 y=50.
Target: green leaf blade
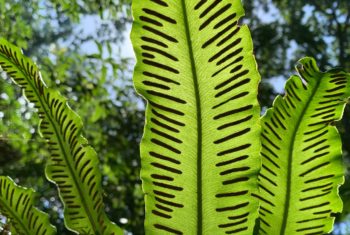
x=201 y=141
x=301 y=155
x=73 y=165
x=17 y=203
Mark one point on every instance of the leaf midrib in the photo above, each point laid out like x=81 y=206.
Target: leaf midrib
x=199 y=121
x=290 y=155
x=43 y=104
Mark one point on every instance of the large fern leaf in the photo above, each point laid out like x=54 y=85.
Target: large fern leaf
x=73 y=165
x=200 y=149
x=301 y=153
x=17 y=204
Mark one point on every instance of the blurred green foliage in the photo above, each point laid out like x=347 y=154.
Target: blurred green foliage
x=77 y=45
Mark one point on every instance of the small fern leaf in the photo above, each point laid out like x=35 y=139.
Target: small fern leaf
x=73 y=165
x=301 y=153
x=16 y=203
x=200 y=149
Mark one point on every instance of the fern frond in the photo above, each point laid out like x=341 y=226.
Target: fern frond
x=73 y=165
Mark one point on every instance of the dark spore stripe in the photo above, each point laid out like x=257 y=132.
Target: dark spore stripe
x=233 y=112
x=169 y=137
x=167 y=109
x=339 y=79
x=334 y=95
x=310 y=228
x=264 y=200
x=165 y=96
x=270 y=142
x=234 y=86
x=324 y=112
x=314 y=196
x=329 y=101
x=317 y=167
x=151 y=21
x=157 y=85
x=167 y=118
x=262 y=208
x=269 y=159
x=264 y=147
x=219 y=34
x=234 y=123
x=159 y=33
x=238 y=216
x=319 y=178
x=214 y=16
x=166 y=168
x=163 y=194
x=225 y=49
x=209 y=8
x=160 y=2
x=163 y=125
x=236 y=76
x=231 y=194
x=227 y=225
x=322 y=212
x=314 y=206
x=314 y=145
x=234 y=170
x=233 y=150
x=336 y=88
x=164 y=208
x=159 y=15
x=167 y=229
x=229 y=56
x=168 y=186
x=161 y=66
x=165 y=158
x=266 y=190
x=316 y=187
x=316 y=136
x=322 y=148
x=328 y=116
x=239 y=59
x=309 y=220
x=154 y=41
x=162 y=177
x=232 y=136
x=160 y=52
x=268 y=170
x=236 y=230
x=238 y=159
x=158 y=213
x=314 y=157
x=236 y=180
x=166 y=146
x=240 y=95
x=273 y=130
x=169 y=203
x=316 y=130
x=267 y=179
x=225 y=20
x=232 y=208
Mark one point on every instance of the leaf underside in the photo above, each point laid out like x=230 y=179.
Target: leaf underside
x=200 y=149
x=16 y=203
x=301 y=153
x=73 y=165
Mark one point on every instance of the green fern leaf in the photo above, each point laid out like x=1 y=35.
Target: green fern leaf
x=73 y=165
x=17 y=204
x=301 y=153
x=200 y=149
